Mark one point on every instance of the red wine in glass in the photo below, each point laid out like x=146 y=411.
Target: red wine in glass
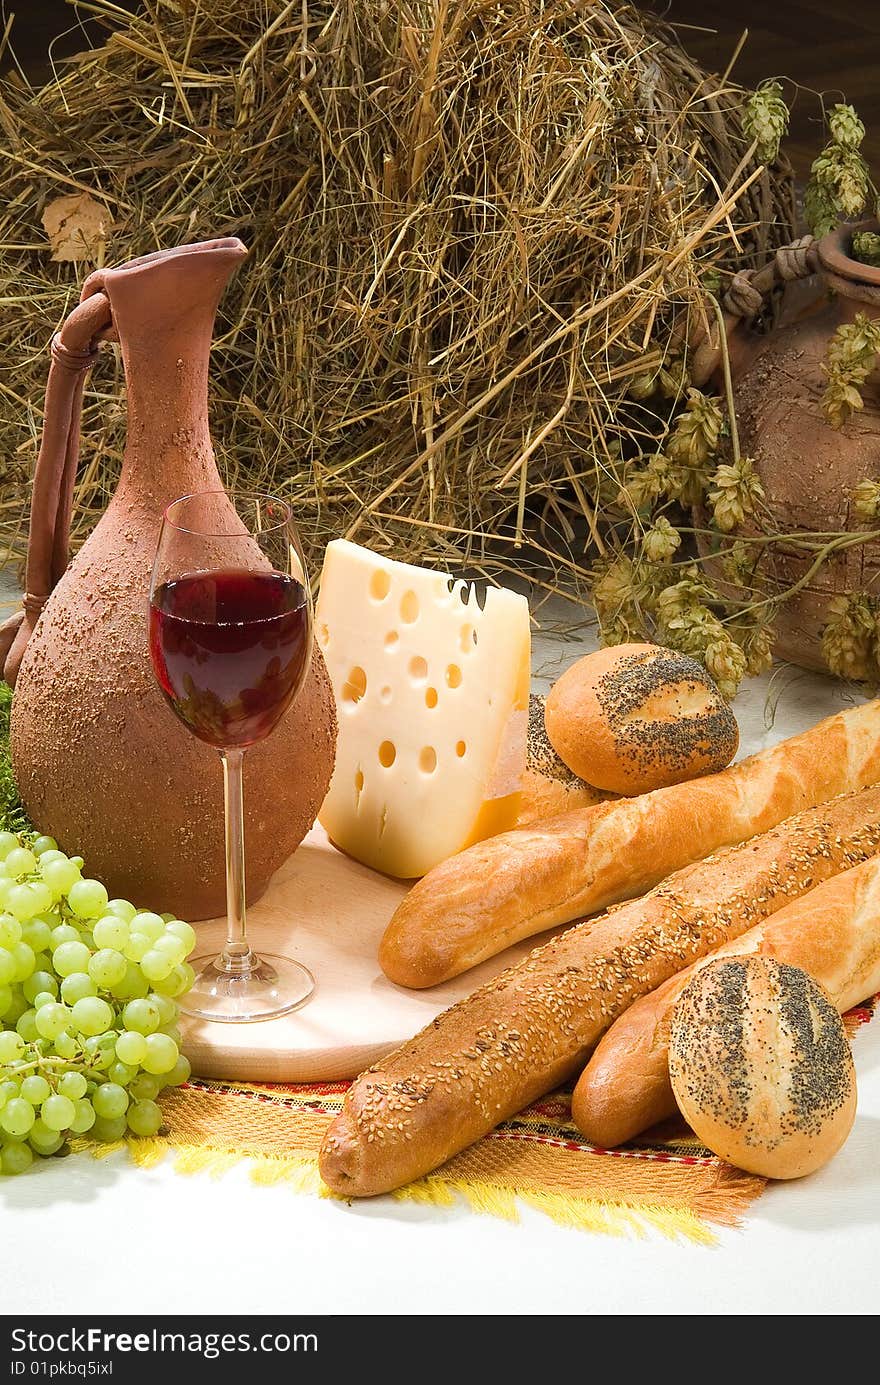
x=230 y=622
x=230 y=649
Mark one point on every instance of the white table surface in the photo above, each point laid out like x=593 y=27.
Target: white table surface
x=193 y=1244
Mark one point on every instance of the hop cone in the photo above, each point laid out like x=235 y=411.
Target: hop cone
x=852 y=355
x=758 y=649
x=738 y=489
x=820 y=208
x=614 y=585
x=696 y=433
x=845 y=127
x=843 y=174
x=866 y=248
x=766 y=120
x=727 y=664
x=849 y=640
x=661 y=541
x=852 y=183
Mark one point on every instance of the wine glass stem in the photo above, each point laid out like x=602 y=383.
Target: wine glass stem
x=237 y=955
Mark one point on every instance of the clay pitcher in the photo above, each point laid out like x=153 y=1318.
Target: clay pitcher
x=100 y=761
x=808 y=468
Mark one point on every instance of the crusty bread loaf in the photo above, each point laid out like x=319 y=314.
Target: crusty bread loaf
x=638 y=717
x=833 y=932
x=549 y=787
x=533 y=1025
x=522 y=882
x=761 y=1067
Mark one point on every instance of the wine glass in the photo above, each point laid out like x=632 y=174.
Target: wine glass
x=230 y=643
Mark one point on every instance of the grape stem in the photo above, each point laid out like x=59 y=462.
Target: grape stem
x=67 y=1064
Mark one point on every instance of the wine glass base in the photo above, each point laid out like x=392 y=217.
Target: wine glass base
x=272 y=986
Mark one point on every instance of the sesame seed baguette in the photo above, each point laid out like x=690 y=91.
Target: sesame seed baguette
x=533 y=1026
x=522 y=882
x=832 y=932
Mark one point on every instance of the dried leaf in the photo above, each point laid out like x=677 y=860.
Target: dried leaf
x=77 y=226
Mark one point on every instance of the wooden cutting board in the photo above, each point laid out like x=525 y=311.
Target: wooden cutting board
x=328 y=912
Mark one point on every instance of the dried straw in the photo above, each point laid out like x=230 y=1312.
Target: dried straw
x=471 y=224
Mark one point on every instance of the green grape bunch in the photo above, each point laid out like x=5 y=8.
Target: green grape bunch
x=88 y=1012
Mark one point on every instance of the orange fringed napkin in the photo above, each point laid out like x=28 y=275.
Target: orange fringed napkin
x=665 y=1180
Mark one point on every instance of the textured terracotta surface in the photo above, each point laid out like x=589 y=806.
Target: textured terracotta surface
x=807 y=467
x=101 y=761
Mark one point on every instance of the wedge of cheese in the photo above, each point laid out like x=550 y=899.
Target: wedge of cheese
x=432 y=691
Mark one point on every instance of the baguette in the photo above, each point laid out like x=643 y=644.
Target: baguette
x=532 y=1026
x=833 y=933
x=521 y=882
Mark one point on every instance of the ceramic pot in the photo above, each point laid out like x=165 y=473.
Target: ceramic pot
x=100 y=760
x=808 y=468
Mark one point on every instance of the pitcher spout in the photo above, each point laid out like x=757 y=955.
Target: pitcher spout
x=163 y=289
x=162 y=308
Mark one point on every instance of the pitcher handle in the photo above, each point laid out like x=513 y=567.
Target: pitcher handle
x=74 y=350
x=744 y=299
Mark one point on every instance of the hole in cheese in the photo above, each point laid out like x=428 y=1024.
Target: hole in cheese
x=385 y=694
x=453 y=676
x=358 y=788
x=431 y=697
x=392 y=639
x=418 y=669
x=380 y=585
x=409 y=608
x=427 y=759
x=387 y=754
x=461 y=749
x=354 y=686
x=467 y=639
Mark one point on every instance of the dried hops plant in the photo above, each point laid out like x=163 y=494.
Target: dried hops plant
x=841 y=183
x=653 y=587
x=676 y=603
x=852 y=355
x=647 y=588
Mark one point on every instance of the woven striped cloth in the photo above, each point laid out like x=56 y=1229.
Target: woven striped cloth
x=665 y=1180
